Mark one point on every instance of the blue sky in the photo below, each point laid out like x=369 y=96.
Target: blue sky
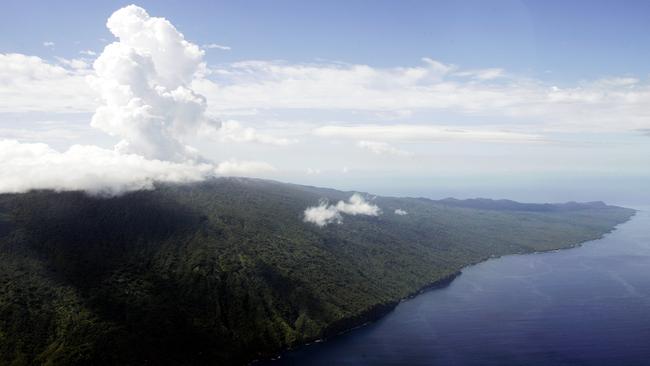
x=571 y=39
x=532 y=100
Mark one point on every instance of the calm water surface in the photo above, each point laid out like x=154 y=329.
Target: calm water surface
x=583 y=306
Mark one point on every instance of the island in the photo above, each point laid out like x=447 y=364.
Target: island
x=228 y=270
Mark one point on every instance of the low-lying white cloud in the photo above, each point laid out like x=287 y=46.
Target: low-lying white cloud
x=322 y=214
x=26 y=166
x=244 y=168
x=357 y=205
x=325 y=214
x=400 y=212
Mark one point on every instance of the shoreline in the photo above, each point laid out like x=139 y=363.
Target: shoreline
x=367 y=317
x=378 y=311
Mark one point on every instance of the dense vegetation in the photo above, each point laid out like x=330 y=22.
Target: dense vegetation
x=226 y=271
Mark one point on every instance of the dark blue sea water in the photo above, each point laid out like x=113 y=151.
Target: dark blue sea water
x=584 y=306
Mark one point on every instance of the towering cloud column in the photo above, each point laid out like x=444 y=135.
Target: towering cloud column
x=144 y=82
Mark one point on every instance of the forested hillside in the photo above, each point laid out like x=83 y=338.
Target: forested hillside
x=225 y=271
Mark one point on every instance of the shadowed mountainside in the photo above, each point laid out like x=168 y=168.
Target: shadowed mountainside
x=225 y=271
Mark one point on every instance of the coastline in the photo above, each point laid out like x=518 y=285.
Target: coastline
x=366 y=317
x=378 y=311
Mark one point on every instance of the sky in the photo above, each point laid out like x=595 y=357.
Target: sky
x=528 y=100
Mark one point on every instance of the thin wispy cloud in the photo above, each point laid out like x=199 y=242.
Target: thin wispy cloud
x=215 y=46
x=612 y=104
x=234 y=131
x=381 y=148
x=421 y=133
x=601 y=105
x=483 y=74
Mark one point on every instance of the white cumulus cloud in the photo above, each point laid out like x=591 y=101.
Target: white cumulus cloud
x=144 y=82
x=325 y=213
x=400 y=212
